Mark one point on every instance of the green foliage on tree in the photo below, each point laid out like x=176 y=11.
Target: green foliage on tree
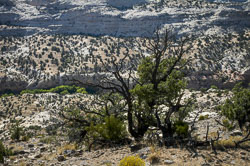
x=237 y=108
x=164 y=89
x=160 y=89
x=181 y=129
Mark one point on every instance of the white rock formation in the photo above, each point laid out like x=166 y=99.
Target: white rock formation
x=122 y=18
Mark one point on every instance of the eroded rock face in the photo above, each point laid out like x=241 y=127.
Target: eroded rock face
x=16 y=85
x=122 y=18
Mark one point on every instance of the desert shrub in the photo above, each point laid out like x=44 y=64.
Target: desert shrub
x=112 y=129
x=203 y=117
x=25 y=138
x=35 y=127
x=48 y=140
x=132 y=161
x=75 y=122
x=219 y=93
x=65 y=147
x=231 y=142
x=4 y=152
x=227 y=124
x=154 y=156
x=56 y=49
x=213 y=87
x=203 y=90
x=16 y=131
x=19 y=133
x=181 y=128
x=31 y=131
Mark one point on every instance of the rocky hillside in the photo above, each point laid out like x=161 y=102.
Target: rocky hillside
x=47 y=142
x=46 y=43
x=122 y=18
x=44 y=61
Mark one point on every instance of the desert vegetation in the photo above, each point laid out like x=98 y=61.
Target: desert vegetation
x=124 y=82
x=142 y=107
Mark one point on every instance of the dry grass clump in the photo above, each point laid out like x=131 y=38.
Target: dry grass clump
x=154 y=156
x=61 y=149
x=48 y=140
x=16 y=148
x=50 y=156
x=230 y=143
x=22 y=163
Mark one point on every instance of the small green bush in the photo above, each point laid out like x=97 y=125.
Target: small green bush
x=48 y=140
x=227 y=124
x=112 y=129
x=203 y=90
x=181 y=128
x=25 y=138
x=16 y=131
x=4 y=152
x=219 y=93
x=132 y=161
x=213 y=87
x=35 y=127
x=203 y=117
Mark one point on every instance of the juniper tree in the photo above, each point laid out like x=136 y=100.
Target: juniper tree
x=161 y=85
x=237 y=108
x=151 y=87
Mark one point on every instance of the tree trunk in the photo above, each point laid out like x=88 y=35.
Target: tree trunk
x=138 y=131
x=167 y=135
x=130 y=120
